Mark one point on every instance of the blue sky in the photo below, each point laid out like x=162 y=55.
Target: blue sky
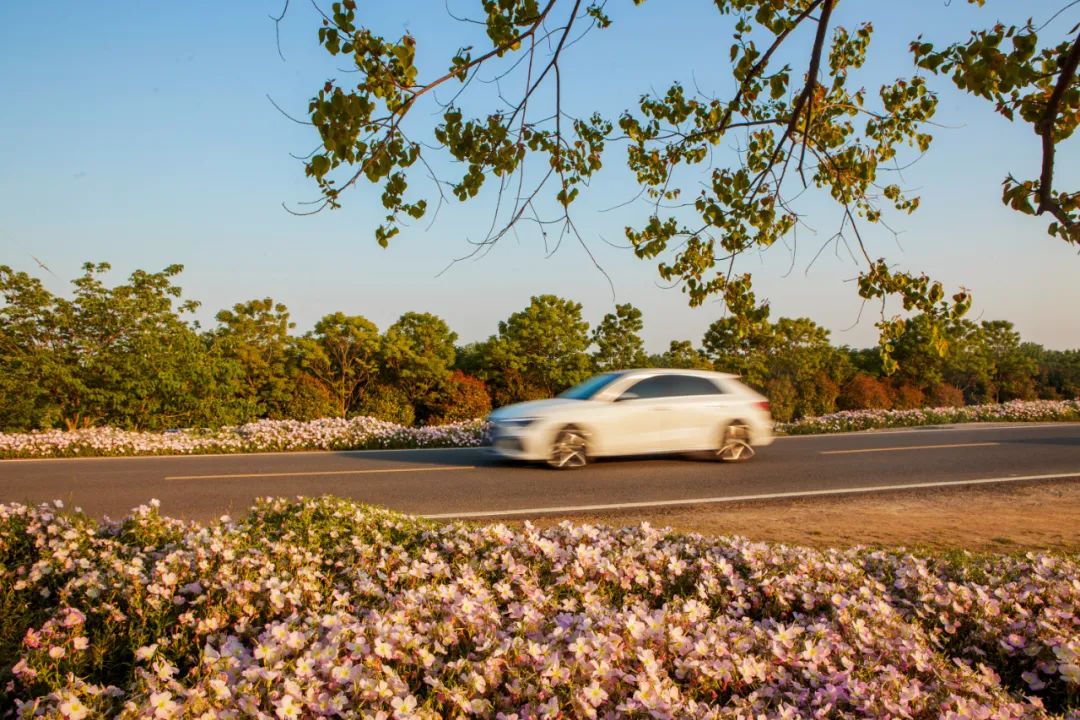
x=140 y=134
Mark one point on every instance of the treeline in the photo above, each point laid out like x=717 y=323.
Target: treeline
x=129 y=356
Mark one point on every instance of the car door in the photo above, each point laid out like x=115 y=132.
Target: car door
x=697 y=409
x=639 y=417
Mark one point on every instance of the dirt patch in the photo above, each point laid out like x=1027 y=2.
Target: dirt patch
x=1005 y=518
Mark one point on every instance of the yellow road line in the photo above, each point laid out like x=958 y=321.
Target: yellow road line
x=321 y=473
x=904 y=447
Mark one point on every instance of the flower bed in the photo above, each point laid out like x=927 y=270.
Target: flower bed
x=324 y=608
x=359 y=433
x=1016 y=411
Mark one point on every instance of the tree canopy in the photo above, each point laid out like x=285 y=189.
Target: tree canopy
x=802 y=123
x=128 y=355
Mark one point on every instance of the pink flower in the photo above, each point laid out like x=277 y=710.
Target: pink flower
x=73 y=617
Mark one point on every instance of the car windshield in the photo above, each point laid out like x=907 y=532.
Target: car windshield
x=590 y=387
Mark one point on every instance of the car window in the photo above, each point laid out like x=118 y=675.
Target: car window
x=690 y=385
x=660 y=386
x=652 y=387
x=590 y=387
x=671 y=385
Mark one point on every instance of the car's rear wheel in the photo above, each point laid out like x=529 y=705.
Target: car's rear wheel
x=569 y=450
x=735 y=443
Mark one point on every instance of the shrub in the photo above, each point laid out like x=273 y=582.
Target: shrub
x=946 y=395
x=908 y=397
x=388 y=403
x=864 y=392
x=309 y=400
x=782 y=398
x=462 y=397
x=817 y=397
x=512 y=387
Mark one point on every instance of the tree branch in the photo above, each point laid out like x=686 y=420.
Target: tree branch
x=1045 y=128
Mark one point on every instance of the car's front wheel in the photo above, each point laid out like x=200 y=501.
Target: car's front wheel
x=569 y=450
x=735 y=443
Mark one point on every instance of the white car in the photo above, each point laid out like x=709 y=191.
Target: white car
x=636 y=412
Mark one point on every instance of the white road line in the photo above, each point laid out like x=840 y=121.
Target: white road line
x=742 y=498
x=930 y=429
x=319 y=473
x=904 y=447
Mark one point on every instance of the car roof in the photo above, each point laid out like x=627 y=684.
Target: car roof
x=635 y=372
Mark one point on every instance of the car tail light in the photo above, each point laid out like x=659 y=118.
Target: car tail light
x=763 y=405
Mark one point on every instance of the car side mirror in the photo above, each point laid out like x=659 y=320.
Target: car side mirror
x=627 y=396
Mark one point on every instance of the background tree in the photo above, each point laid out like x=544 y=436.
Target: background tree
x=1014 y=369
x=255 y=335
x=921 y=353
x=119 y=355
x=617 y=339
x=801 y=355
x=342 y=355
x=681 y=354
x=740 y=351
x=864 y=391
x=126 y=356
x=35 y=361
x=539 y=351
x=791 y=361
x=1058 y=373
x=417 y=354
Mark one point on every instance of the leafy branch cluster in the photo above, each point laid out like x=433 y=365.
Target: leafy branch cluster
x=720 y=176
x=1024 y=77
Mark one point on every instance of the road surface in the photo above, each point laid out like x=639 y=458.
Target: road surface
x=473 y=483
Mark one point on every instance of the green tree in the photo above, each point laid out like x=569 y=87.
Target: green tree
x=342 y=355
x=791 y=361
x=801 y=352
x=681 y=354
x=35 y=358
x=743 y=351
x=417 y=356
x=969 y=365
x=1014 y=369
x=617 y=339
x=255 y=335
x=539 y=351
x=1059 y=371
x=119 y=355
x=923 y=354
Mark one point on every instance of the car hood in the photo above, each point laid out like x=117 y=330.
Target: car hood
x=533 y=408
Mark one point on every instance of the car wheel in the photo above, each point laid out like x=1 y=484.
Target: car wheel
x=735 y=443
x=569 y=450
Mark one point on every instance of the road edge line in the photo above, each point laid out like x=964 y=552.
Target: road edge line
x=739 y=498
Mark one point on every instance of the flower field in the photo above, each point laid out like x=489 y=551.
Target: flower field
x=366 y=433
x=359 y=433
x=326 y=608
x=1015 y=411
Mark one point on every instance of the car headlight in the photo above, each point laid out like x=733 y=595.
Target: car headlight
x=516 y=422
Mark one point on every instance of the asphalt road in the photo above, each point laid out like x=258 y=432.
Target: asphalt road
x=473 y=483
